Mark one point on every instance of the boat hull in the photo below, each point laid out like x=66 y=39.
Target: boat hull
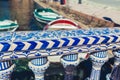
x=46 y=15
x=8 y=25
x=61 y=24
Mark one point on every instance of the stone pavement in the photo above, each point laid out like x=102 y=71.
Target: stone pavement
x=97 y=11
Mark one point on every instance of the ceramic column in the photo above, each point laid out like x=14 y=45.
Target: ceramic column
x=38 y=66
x=6 y=68
x=98 y=59
x=117 y=57
x=115 y=74
x=70 y=62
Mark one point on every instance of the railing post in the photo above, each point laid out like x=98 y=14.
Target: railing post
x=98 y=59
x=117 y=57
x=70 y=62
x=38 y=66
x=115 y=74
x=6 y=68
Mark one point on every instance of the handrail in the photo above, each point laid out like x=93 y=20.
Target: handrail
x=26 y=44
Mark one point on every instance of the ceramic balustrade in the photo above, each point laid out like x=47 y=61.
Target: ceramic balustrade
x=16 y=45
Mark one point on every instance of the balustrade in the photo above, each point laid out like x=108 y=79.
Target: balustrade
x=40 y=44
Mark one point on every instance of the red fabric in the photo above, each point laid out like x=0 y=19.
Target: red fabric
x=64 y=1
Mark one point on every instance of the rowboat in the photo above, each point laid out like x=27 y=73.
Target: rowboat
x=45 y=15
x=8 y=25
x=61 y=24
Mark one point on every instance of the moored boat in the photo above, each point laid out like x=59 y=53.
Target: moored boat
x=46 y=15
x=62 y=24
x=8 y=25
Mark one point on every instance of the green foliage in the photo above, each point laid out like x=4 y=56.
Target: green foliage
x=21 y=65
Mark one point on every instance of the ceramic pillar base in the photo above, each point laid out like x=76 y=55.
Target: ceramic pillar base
x=38 y=66
x=71 y=59
x=5 y=74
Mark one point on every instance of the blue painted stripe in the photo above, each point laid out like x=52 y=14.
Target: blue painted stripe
x=76 y=41
x=56 y=43
x=45 y=44
x=115 y=38
x=4 y=65
x=66 y=41
x=86 y=40
x=33 y=45
x=70 y=57
x=19 y=47
x=39 y=61
x=6 y=46
x=105 y=40
x=96 y=39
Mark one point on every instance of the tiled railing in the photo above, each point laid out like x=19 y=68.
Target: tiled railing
x=38 y=45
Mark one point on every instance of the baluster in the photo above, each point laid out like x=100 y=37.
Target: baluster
x=115 y=74
x=98 y=59
x=117 y=57
x=70 y=62
x=38 y=66
x=6 y=68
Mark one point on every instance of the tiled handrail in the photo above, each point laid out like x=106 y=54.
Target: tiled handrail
x=41 y=44
x=26 y=44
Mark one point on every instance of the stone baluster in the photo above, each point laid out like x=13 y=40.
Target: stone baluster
x=6 y=68
x=70 y=62
x=38 y=66
x=98 y=59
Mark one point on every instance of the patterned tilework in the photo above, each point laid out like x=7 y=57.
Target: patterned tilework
x=70 y=57
x=99 y=58
x=101 y=54
x=5 y=74
x=5 y=65
x=56 y=43
x=21 y=44
x=39 y=61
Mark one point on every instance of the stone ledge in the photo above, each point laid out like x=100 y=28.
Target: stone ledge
x=84 y=20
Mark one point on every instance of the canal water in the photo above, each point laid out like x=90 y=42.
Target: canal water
x=22 y=11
